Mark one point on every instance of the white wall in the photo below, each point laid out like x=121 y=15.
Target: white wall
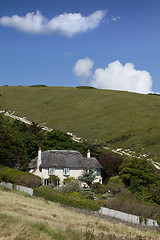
x=17 y=187
x=127 y=217
x=59 y=172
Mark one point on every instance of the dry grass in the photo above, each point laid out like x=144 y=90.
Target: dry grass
x=24 y=217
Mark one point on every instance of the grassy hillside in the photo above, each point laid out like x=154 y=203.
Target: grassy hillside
x=23 y=217
x=117 y=119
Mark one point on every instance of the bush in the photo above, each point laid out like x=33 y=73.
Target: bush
x=40 y=85
x=18 y=177
x=99 y=188
x=140 y=219
x=54 y=180
x=9 y=175
x=71 y=186
x=68 y=180
x=50 y=194
x=115 y=185
x=28 y=180
x=85 y=87
x=88 y=194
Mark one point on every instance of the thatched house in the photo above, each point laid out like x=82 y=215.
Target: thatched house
x=63 y=163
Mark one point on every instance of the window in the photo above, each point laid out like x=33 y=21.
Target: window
x=66 y=171
x=51 y=171
x=45 y=181
x=98 y=171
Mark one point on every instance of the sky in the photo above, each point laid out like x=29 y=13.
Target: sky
x=107 y=44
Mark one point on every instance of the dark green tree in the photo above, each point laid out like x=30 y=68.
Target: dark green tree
x=137 y=174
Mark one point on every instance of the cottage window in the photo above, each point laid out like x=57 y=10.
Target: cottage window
x=51 y=171
x=66 y=171
x=98 y=171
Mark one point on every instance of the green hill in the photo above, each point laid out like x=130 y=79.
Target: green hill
x=116 y=119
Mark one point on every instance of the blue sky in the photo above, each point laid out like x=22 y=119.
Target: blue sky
x=110 y=44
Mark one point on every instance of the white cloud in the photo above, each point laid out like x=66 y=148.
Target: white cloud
x=83 y=67
x=118 y=77
x=67 y=24
x=115 y=19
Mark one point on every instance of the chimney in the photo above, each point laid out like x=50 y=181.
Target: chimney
x=39 y=161
x=88 y=154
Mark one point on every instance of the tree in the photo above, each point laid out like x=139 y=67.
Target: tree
x=12 y=152
x=57 y=139
x=88 y=176
x=110 y=163
x=137 y=174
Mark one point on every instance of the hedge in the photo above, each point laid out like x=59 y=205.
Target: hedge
x=18 y=177
x=49 y=194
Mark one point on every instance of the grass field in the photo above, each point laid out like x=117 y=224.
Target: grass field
x=117 y=119
x=23 y=217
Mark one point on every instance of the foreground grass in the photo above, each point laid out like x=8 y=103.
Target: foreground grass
x=24 y=217
x=118 y=119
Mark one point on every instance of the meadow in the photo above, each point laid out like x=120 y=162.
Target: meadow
x=114 y=118
x=24 y=217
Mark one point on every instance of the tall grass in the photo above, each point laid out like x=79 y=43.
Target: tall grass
x=29 y=218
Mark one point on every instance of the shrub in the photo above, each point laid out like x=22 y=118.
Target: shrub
x=50 y=194
x=54 y=180
x=115 y=185
x=88 y=195
x=145 y=220
x=76 y=195
x=140 y=219
x=9 y=175
x=70 y=186
x=39 y=85
x=99 y=188
x=68 y=180
x=18 y=177
x=85 y=87
x=28 y=180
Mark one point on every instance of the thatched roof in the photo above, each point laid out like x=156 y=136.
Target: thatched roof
x=65 y=158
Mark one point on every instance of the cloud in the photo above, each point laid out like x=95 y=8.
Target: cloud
x=115 y=19
x=67 y=24
x=83 y=67
x=118 y=77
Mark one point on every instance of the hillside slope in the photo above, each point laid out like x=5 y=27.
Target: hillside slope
x=23 y=217
x=116 y=119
